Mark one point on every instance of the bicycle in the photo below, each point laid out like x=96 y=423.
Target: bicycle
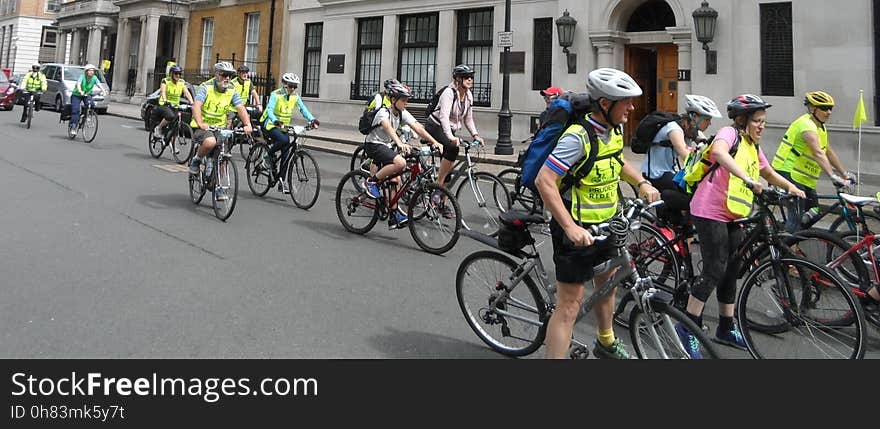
x=506 y=296
x=29 y=108
x=848 y=216
x=218 y=173
x=178 y=135
x=88 y=122
x=418 y=191
x=300 y=169
x=245 y=143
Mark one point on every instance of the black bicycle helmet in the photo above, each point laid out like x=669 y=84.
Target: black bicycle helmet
x=243 y=68
x=175 y=69
x=745 y=104
x=462 y=70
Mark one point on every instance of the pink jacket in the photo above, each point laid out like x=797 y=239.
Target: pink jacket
x=451 y=109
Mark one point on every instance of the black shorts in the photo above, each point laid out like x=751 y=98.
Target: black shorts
x=575 y=264
x=450 y=150
x=380 y=154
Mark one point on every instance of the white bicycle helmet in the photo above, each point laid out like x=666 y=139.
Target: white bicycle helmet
x=90 y=67
x=290 y=78
x=700 y=105
x=223 y=66
x=611 y=84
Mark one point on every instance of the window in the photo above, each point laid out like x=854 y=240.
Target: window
x=312 y=60
x=2 y=45
x=207 y=44
x=252 y=40
x=542 y=46
x=53 y=5
x=777 y=70
x=369 y=59
x=133 y=45
x=475 y=50
x=418 y=55
x=50 y=37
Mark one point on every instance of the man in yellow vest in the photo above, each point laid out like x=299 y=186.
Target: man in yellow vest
x=212 y=100
x=34 y=83
x=246 y=90
x=591 y=201
x=170 y=91
x=804 y=153
x=277 y=116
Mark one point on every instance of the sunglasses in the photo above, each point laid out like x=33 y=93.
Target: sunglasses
x=227 y=74
x=825 y=108
x=471 y=77
x=293 y=86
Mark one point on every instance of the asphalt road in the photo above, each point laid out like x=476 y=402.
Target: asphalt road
x=104 y=256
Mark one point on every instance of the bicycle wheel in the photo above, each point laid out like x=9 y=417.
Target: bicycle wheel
x=259 y=179
x=244 y=147
x=155 y=145
x=481 y=202
x=655 y=258
x=89 y=125
x=225 y=182
x=183 y=147
x=304 y=179
x=433 y=230
x=872 y=221
x=663 y=320
x=196 y=190
x=515 y=327
x=823 y=247
x=793 y=308
x=357 y=212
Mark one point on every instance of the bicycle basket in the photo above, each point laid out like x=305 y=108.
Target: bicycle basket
x=513 y=238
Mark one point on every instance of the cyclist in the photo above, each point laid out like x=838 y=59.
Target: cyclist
x=381 y=99
x=170 y=91
x=277 y=115
x=453 y=111
x=591 y=201
x=378 y=144
x=245 y=89
x=82 y=92
x=549 y=95
x=35 y=83
x=720 y=199
x=660 y=165
x=805 y=152
x=212 y=100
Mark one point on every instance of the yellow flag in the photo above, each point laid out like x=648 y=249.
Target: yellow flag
x=860 y=117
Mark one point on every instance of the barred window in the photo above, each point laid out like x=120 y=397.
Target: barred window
x=777 y=69
x=53 y=5
x=418 y=55
x=475 y=50
x=369 y=59
x=542 y=46
x=312 y=60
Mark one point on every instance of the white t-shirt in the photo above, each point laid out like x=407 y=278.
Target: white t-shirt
x=378 y=135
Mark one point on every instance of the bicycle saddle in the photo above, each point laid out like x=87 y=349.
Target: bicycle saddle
x=520 y=219
x=857 y=200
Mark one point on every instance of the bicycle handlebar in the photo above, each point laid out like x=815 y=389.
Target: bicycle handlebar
x=626 y=218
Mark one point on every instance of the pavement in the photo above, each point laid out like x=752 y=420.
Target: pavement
x=343 y=139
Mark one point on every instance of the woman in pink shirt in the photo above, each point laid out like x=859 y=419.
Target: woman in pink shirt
x=453 y=111
x=721 y=198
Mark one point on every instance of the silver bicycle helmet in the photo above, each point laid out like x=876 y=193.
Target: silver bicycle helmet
x=700 y=105
x=611 y=84
x=290 y=79
x=399 y=90
x=223 y=66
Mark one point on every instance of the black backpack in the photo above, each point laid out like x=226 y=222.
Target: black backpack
x=648 y=128
x=365 y=124
x=432 y=105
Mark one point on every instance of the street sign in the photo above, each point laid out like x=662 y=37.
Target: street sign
x=505 y=39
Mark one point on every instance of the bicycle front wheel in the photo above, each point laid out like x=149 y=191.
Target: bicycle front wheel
x=89 y=126
x=513 y=325
x=259 y=178
x=225 y=188
x=793 y=308
x=304 y=179
x=482 y=200
x=183 y=145
x=872 y=221
x=434 y=219
x=357 y=211
x=519 y=194
x=655 y=335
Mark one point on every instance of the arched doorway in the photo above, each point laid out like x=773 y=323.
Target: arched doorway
x=652 y=61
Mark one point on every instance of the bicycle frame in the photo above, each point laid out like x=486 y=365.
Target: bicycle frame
x=866 y=241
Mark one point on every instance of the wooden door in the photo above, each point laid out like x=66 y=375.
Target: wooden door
x=667 y=78
x=640 y=63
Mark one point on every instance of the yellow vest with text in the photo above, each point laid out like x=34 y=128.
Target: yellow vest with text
x=800 y=161
x=594 y=199
x=739 y=196
x=283 y=108
x=215 y=106
x=34 y=83
x=244 y=91
x=172 y=91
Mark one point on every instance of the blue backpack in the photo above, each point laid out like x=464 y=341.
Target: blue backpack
x=564 y=111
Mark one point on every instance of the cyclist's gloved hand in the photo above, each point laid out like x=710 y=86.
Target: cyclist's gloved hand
x=279 y=124
x=315 y=123
x=851 y=177
x=839 y=181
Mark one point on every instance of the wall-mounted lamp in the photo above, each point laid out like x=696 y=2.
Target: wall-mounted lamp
x=565 y=27
x=173 y=7
x=705 y=19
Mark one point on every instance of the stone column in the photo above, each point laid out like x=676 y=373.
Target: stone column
x=120 y=60
x=681 y=36
x=61 y=47
x=445 y=50
x=139 y=87
x=93 y=52
x=606 y=44
x=390 y=37
x=74 y=46
x=149 y=39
